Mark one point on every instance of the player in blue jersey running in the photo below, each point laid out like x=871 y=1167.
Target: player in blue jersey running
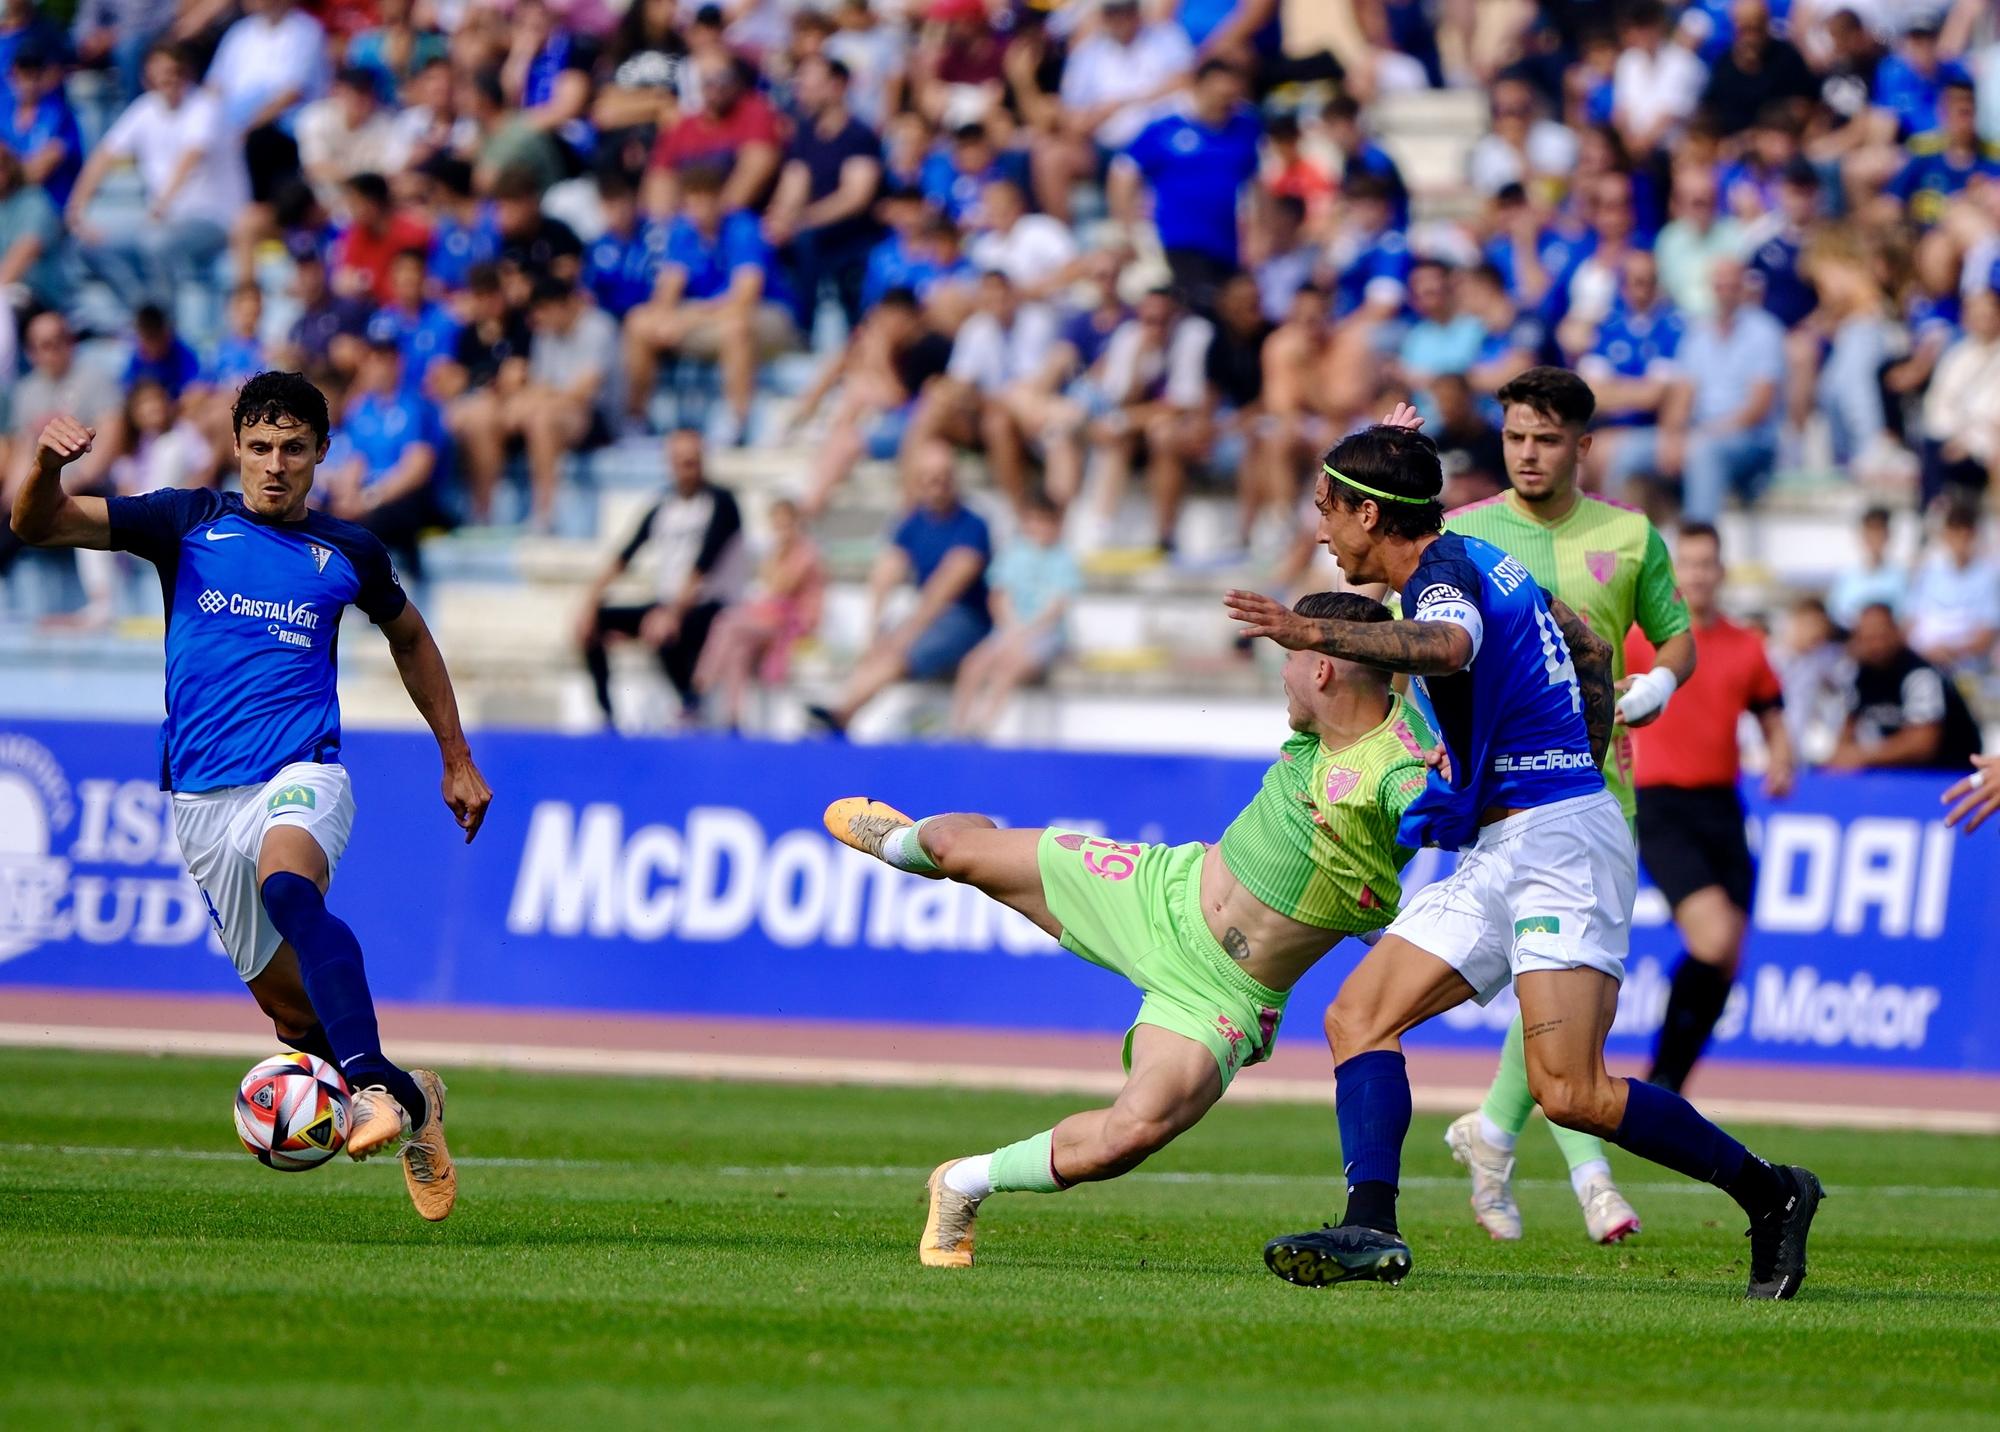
x=254 y=589
x=1547 y=871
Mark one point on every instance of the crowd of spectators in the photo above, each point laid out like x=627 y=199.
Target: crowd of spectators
x=1098 y=244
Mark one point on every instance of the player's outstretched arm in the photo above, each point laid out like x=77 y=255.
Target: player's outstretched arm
x=429 y=684
x=1420 y=648
x=44 y=514
x=1591 y=655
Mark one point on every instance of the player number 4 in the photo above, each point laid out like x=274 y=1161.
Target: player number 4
x=1557 y=661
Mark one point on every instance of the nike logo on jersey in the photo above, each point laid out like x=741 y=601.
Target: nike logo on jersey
x=214 y=536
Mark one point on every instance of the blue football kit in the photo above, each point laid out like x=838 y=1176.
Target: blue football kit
x=253 y=622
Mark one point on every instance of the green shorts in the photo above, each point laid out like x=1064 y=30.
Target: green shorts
x=1136 y=909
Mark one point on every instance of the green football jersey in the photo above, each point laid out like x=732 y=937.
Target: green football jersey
x=1318 y=843
x=1609 y=564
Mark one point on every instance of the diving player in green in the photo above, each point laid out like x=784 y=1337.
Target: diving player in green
x=1609 y=564
x=1216 y=936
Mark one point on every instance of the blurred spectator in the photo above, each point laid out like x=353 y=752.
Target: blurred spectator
x=942 y=548
x=464 y=230
x=1295 y=177
x=348 y=132
x=1048 y=409
x=1287 y=258
x=56 y=384
x=501 y=141
x=1639 y=385
x=191 y=167
x=31 y=235
x=1522 y=145
x=1469 y=448
x=953 y=178
x=385 y=460
x=569 y=401
x=487 y=367
x=622 y=264
x=821 y=212
x=24 y=26
x=116 y=34
x=1943 y=161
x=1586 y=279
x=1037 y=253
x=700 y=566
x=1034 y=580
x=1735 y=362
x=1875 y=580
x=1218 y=438
x=159 y=354
x=1775 y=244
x=157 y=446
x=270 y=62
x=1812 y=667
x=1902 y=712
x=1961 y=414
x=546 y=77
x=376 y=232
x=1657 y=82
x=1155 y=380
x=325 y=337
x=882 y=375
x=1953 y=610
x=735 y=131
x=1367 y=247
x=719 y=297
x=240 y=355
x=1757 y=69
x=1002 y=343
x=1196 y=164
x=531 y=245
x=1698 y=235
x=752 y=639
x=1442 y=340
x=1910 y=83
x=1361 y=155
x=876 y=56
x=1509 y=340
x=395 y=48
x=1114 y=81
x=1296 y=426
x=958 y=68
x=1750 y=183
x=424 y=331
x=39 y=125
x=643 y=69
x=1853 y=314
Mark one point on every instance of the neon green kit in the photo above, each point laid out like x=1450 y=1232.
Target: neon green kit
x=1609 y=564
x=1316 y=844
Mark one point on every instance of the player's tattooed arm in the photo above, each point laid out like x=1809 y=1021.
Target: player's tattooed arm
x=1591 y=655
x=1420 y=648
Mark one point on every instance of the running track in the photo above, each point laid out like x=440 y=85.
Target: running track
x=889 y=1054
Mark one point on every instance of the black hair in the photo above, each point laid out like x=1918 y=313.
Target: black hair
x=1291 y=205
x=1344 y=107
x=614 y=183
x=1215 y=66
x=836 y=70
x=150 y=318
x=411 y=255
x=1398 y=461
x=1488 y=273
x=1956 y=82
x=370 y=186
x=516 y=182
x=1652 y=14
x=1282 y=125
x=281 y=398
x=550 y=289
x=1553 y=392
x=1961 y=514
x=1877 y=516
x=483 y=278
x=1368 y=186
x=1340 y=607
x=901 y=296
x=1702 y=529
x=703 y=179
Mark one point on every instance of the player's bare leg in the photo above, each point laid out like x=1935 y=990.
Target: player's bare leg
x=959 y=846
x=1173 y=1081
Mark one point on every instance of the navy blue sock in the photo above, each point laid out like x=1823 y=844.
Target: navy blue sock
x=337 y=984
x=1665 y=1128
x=315 y=1042
x=1372 y=1100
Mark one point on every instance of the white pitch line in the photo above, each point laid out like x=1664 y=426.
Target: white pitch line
x=913 y=1172
x=894 y=1073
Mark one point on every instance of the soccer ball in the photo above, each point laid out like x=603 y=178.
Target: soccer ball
x=292 y=1111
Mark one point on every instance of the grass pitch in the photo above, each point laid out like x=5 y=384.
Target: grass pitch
x=664 y=1255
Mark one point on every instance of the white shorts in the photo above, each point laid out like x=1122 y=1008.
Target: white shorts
x=1549 y=889
x=222 y=832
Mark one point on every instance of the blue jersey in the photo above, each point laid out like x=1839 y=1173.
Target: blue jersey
x=253 y=618
x=620 y=269
x=1512 y=721
x=1196 y=174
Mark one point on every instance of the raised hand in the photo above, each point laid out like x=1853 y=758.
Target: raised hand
x=1262 y=616
x=62 y=442
x=1403 y=416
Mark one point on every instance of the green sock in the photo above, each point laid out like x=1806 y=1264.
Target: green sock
x=905 y=850
x=1027 y=1167
x=1508 y=1102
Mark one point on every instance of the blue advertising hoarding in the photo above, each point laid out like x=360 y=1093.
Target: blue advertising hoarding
x=693 y=876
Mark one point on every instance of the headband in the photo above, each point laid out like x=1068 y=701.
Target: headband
x=1376 y=492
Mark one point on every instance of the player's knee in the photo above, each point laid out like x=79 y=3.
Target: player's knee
x=1576 y=1102
x=950 y=843
x=1129 y=1139
x=1352 y=1026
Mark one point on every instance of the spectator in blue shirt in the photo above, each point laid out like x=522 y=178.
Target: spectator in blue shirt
x=719 y=296
x=1639 y=385
x=40 y=126
x=239 y=356
x=424 y=331
x=1945 y=160
x=1362 y=155
x=621 y=265
x=31 y=238
x=1441 y=340
x=1196 y=164
x=1370 y=248
x=159 y=354
x=385 y=455
x=1910 y=82
x=24 y=27
x=954 y=178
x=942 y=548
x=1735 y=362
x=893 y=262
x=464 y=230
x=1776 y=244
x=820 y=213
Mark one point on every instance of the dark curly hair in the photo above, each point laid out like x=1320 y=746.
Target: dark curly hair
x=1398 y=461
x=281 y=398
